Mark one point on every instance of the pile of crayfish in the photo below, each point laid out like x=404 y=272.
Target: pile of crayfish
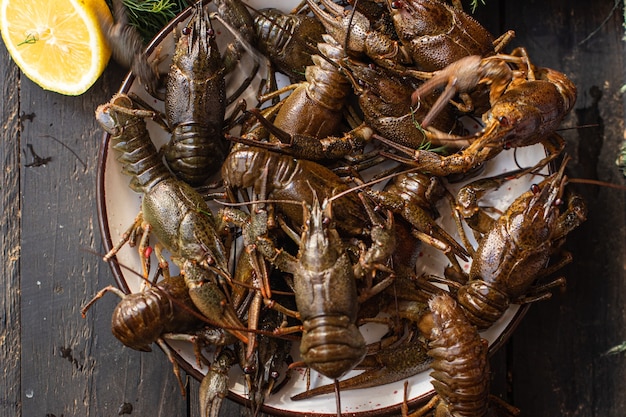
x=299 y=220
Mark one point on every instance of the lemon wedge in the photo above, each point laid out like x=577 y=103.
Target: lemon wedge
x=58 y=44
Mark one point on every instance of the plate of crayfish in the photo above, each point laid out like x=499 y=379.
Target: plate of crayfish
x=314 y=216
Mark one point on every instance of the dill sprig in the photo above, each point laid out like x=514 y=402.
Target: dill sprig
x=475 y=4
x=425 y=145
x=150 y=16
x=616 y=349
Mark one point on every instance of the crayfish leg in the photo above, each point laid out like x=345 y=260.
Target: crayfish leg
x=503 y=40
x=504 y=408
x=175 y=368
x=144 y=251
x=541 y=292
x=99 y=295
x=554 y=145
x=429 y=406
x=128 y=236
x=164 y=266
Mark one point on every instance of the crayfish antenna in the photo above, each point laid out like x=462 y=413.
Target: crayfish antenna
x=337 y=397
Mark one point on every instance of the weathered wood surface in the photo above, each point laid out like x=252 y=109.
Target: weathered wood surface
x=10 y=212
x=57 y=363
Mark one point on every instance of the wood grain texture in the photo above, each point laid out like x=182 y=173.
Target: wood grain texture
x=10 y=212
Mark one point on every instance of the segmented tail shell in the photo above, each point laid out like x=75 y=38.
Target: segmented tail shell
x=482 y=302
x=139 y=319
x=460 y=365
x=129 y=136
x=195 y=152
x=288 y=40
x=332 y=345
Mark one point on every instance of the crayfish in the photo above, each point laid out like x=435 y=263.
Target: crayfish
x=527 y=106
x=191 y=239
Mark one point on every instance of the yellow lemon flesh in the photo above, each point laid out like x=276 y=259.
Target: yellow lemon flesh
x=58 y=44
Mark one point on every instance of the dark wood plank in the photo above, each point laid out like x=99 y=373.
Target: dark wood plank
x=10 y=207
x=558 y=367
x=72 y=366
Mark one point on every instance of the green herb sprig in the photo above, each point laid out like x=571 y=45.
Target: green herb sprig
x=425 y=145
x=475 y=4
x=150 y=16
x=30 y=38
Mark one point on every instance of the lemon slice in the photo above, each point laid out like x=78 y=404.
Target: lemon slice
x=59 y=44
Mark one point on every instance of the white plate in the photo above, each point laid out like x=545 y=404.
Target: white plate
x=118 y=206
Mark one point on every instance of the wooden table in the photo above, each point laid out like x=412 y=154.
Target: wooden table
x=58 y=364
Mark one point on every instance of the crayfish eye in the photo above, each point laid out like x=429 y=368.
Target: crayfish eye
x=504 y=121
x=557 y=202
x=274 y=375
x=210 y=32
x=186 y=30
x=506 y=146
x=210 y=260
x=248 y=369
x=535 y=188
x=326 y=221
x=397 y=4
